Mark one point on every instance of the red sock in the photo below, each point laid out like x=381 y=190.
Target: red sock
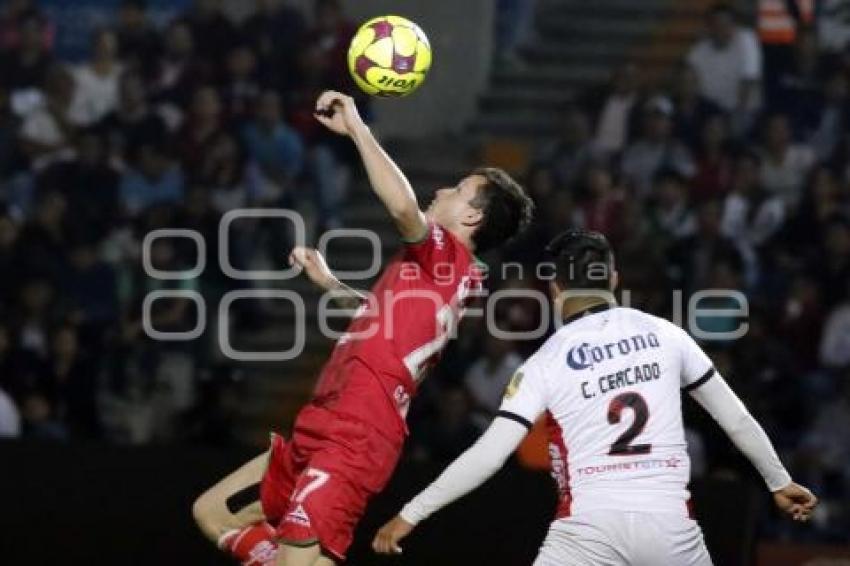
x=254 y=545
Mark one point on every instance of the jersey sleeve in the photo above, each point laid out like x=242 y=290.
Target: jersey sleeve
x=436 y=253
x=697 y=367
x=525 y=396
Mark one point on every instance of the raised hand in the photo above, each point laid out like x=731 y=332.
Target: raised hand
x=314 y=265
x=338 y=113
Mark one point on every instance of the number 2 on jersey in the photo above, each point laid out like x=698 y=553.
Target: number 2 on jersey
x=623 y=446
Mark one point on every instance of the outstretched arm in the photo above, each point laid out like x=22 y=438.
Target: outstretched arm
x=470 y=470
x=314 y=265
x=726 y=408
x=339 y=114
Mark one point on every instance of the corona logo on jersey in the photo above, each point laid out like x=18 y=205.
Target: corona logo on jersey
x=585 y=356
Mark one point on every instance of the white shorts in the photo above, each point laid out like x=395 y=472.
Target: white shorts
x=617 y=538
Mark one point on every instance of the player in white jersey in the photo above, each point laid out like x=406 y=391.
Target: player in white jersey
x=608 y=382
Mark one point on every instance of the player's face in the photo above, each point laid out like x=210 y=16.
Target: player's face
x=452 y=206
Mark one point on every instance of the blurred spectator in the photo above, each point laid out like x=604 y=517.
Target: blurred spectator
x=569 y=154
x=48 y=131
x=139 y=43
x=728 y=63
x=655 y=149
x=25 y=63
x=273 y=148
x=96 y=81
x=831 y=263
x=671 y=215
x=179 y=72
x=514 y=27
x=784 y=164
x=331 y=33
x=34 y=314
x=796 y=89
x=71 y=385
x=241 y=87
x=826 y=126
x=692 y=109
x=823 y=199
x=487 y=377
x=713 y=160
x=152 y=178
x=802 y=321
x=43 y=237
x=90 y=288
x=832 y=25
x=201 y=132
x=835 y=344
x=781 y=23
x=690 y=259
x=13 y=17
x=133 y=122
x=213 y=33
x=275 y=31
x=88 y=183
x=751 y=215
x=615 y=110
x=602 y=203
x=825 y=451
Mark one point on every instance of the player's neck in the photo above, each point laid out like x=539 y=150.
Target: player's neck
x=575 y=307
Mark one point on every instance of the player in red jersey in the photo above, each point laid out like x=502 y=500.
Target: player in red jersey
x=346 y=442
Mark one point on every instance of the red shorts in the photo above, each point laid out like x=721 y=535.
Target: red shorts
x=317 y=485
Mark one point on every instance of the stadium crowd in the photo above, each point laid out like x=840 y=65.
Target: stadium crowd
x=159 y=127
x=733 y=177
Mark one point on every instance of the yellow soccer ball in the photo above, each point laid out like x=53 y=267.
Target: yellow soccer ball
x=389 y=56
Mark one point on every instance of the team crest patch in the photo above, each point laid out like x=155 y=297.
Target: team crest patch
x=513 y=386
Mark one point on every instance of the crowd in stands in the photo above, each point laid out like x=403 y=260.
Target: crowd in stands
x=165 y=126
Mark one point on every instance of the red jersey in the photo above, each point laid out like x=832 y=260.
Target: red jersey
x=398 y=334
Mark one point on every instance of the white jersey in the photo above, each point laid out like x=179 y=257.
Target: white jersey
x=609 y=384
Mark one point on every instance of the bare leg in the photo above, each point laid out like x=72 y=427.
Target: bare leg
x=210 y=509
x=298 y=555
x=302 y=556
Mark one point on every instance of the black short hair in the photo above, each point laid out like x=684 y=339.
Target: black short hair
x=583 y=260
x=507 y=209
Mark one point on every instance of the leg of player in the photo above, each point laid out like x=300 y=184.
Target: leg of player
x=289 y=555
x=210 y=509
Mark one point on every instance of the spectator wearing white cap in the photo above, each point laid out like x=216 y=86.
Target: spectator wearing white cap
x=656 y=148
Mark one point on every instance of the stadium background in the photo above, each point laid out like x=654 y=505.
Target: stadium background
x=112 y=434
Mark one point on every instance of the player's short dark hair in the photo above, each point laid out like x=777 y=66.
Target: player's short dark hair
x=583 y=260
x=507 y=209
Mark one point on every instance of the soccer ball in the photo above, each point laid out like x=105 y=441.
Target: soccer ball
x=389 y=56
